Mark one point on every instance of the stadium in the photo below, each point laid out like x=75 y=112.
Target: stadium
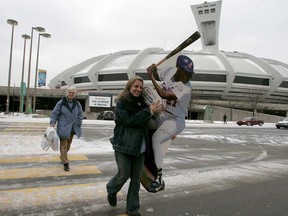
x=235 y=83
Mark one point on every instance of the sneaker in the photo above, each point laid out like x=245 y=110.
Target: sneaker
x=66 y=167
x=112 y=199
x=156 y=186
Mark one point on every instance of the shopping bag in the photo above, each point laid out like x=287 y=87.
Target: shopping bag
x=50 y=139
x=50 y=132
x=55 y=142
x=45 y=144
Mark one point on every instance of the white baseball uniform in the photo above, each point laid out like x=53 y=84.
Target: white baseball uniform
x=170 y=122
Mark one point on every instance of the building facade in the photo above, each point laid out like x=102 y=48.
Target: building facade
x=223 y=78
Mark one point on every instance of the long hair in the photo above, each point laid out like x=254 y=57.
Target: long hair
x=125 y=94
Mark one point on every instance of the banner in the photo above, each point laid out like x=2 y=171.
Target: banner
x=42 y=74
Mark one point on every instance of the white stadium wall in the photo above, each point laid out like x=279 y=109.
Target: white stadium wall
x=222 y=78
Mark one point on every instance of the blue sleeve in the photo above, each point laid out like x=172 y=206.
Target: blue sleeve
x=54 y=116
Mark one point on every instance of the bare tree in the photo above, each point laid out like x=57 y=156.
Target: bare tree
x=254 y=96
x=232 y=105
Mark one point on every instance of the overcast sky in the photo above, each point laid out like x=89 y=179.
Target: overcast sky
x=82 y=29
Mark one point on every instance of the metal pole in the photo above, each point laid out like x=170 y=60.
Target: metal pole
x=13 y=23
x=36 y=70
x=25 y=36
x=46 y=35
x=29 y=72
x=28 y=108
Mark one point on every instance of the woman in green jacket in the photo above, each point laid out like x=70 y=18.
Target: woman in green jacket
x=130 y=141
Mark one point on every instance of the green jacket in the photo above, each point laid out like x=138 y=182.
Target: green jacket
x=131 y=126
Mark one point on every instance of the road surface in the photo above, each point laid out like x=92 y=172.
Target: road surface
x=210 y=169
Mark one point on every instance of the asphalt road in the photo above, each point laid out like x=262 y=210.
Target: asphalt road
x=210 y=170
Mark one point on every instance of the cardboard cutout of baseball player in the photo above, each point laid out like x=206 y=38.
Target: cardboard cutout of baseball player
x=175 y=90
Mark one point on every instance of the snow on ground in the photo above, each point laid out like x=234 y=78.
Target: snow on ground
x=20 y=117
x=29 y=144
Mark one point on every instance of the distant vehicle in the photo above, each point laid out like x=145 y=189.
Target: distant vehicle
x=106 y=115
x=283 y=123
x=250 y=121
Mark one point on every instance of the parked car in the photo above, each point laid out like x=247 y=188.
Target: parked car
x=283 y=123
x=106 y=115
x=250 y=121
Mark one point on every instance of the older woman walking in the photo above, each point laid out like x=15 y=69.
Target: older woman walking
x=68 y=115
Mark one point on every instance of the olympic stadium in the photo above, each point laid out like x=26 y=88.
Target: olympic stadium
x=224 y=81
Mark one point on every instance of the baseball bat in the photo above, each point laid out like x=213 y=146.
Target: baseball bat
x=195 y=36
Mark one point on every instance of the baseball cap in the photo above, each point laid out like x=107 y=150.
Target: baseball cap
x=185 y=63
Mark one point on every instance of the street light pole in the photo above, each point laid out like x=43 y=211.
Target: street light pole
x=13 y=23
x=46 y=35
x=27 y=108
x=25 y=36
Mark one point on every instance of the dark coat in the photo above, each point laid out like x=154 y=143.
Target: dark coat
x=131 y=126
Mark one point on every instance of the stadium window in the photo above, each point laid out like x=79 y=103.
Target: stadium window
x=84 y=79
x=113 y=77
x=200 y=12
x=143 y=75
x=251 y=80
x=284 y=84
x=209 y=77
x=63 y=83
x=213 y=10
x=206 y=11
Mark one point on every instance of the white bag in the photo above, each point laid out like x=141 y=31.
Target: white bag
x=45 y=145
x=50 y=139
x=50 y=131
x=55 y=142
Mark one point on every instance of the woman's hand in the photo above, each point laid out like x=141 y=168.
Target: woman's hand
x=157 y=107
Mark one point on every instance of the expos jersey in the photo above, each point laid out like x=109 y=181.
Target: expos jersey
x=182 y=91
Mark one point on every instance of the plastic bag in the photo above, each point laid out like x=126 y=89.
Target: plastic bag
x=45 y=145
x=50 y=139
x=55 y=142
x=50 y=132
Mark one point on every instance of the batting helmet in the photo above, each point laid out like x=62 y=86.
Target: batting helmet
x=185 y=63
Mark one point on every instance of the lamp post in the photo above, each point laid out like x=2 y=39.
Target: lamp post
x=22 y=87
x=13 y=23
x=27 y=108
x=46 y=35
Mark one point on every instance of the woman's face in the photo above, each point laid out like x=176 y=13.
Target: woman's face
x=137 y=88
x=71 y=94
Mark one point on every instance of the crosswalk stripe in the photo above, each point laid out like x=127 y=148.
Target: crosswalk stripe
x=41 y=172
x=31 y=159
x=25 y=128
x=54 y=195
x=22 y=132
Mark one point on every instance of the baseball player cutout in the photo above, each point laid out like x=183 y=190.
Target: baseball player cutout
x=176 y=89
